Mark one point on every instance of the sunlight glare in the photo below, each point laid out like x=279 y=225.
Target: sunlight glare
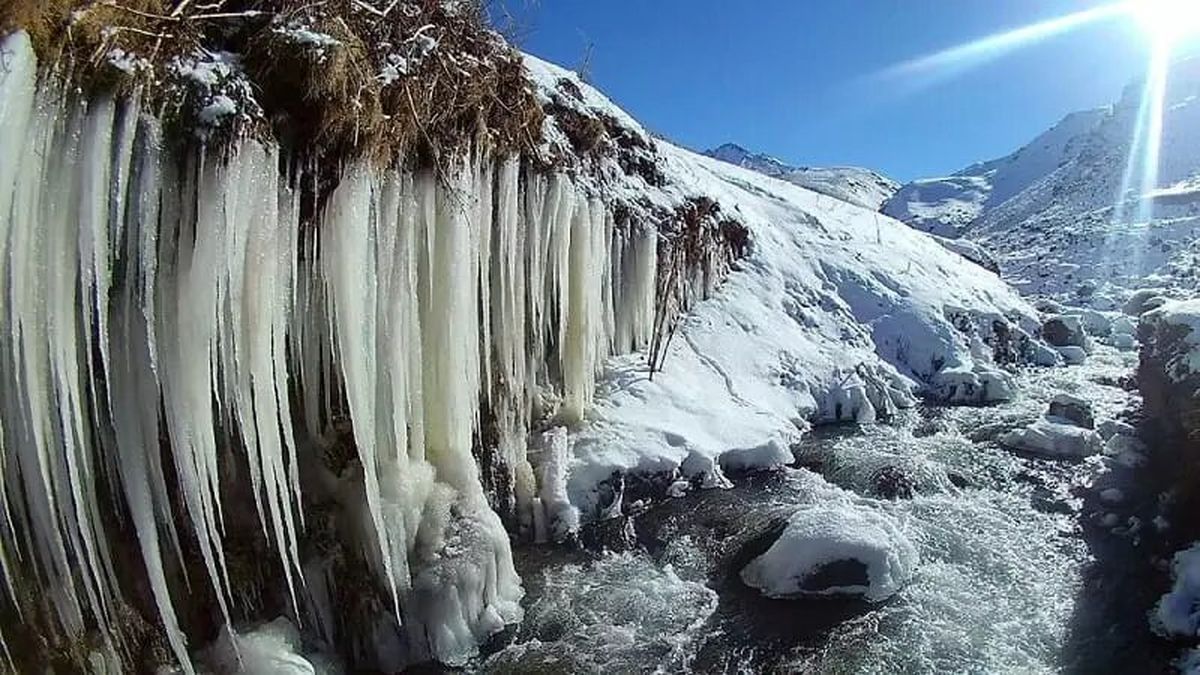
x=1167 y=21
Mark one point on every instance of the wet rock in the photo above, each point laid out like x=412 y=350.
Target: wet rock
x=1073 y=409
x=614 y=534
x=958 y=480
x=892 y=482
x=834 y=575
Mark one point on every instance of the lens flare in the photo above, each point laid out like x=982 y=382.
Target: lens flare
x=1167 y=21
x=954 y=60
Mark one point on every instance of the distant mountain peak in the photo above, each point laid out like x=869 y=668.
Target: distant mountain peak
x=855 y=185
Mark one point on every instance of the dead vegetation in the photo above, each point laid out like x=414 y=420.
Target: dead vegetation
x=698 y=247
x=595 y=135
x=339 y=78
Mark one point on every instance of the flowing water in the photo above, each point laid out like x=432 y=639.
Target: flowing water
x=1004 y=558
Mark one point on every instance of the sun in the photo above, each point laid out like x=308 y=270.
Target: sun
x=1167 y=22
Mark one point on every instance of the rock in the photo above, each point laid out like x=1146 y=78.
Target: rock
x=1094 y=322
x=958 y=386
x=1052 y=439
x=1044 y=355
x=1109 y=428
x=1121 y=443
x=837 y=548
x=1124 y=325
x=1073 y=409
x=1143 y=301
x=1073 y=356
x=1123 y=341
x=958 y=480
x=614 y=534
x=1064 y=330
x=892 y=482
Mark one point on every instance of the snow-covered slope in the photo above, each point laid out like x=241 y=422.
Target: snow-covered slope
x=837 y=313
x=1054 y=213
x=856 y=185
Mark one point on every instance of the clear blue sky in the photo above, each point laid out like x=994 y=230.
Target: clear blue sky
x=786 y=77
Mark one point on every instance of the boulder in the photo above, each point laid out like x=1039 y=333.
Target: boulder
x=1143 y=301
x=1052 y=439
x=1074 y=410
x=1064 y=330
x=838 y=548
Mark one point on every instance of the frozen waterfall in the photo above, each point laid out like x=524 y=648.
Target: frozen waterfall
x=187 y=331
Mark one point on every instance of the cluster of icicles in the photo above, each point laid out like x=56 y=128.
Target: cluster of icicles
x=174 y=333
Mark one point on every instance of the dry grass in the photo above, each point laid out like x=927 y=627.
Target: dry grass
x=318 y=71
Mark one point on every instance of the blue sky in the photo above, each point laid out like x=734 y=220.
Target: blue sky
x=792 y=77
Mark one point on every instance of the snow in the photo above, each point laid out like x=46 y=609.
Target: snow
x=272 y=647
x=1178 y=612
x=838 y=313
x=819 y=535
x=858 y=186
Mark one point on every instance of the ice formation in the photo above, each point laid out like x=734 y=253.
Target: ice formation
x=182 y=339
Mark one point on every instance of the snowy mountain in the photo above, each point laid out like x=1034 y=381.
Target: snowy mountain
x=1054 y=213
x=856 y=185
x=946 y=205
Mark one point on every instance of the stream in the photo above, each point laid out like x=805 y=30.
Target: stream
x=1009 y=580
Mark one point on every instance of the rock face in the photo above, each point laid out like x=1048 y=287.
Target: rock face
x=1169 y=372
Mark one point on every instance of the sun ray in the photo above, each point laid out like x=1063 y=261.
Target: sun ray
x=951 y=61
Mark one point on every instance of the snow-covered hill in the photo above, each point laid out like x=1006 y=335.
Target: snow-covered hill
x=856 y=185
x=837 y=313
x=1054 y=213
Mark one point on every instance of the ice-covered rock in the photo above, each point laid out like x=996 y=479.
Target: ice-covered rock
x=1053 y=439
x=837 y=549
x=1073 y=409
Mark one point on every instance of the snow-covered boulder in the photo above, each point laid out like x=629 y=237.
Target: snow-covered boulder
x=1073 y=409
x=837 y=549
x=977 y=386
x=1178 y=612
x=1169 y=374
x=1052 y=439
